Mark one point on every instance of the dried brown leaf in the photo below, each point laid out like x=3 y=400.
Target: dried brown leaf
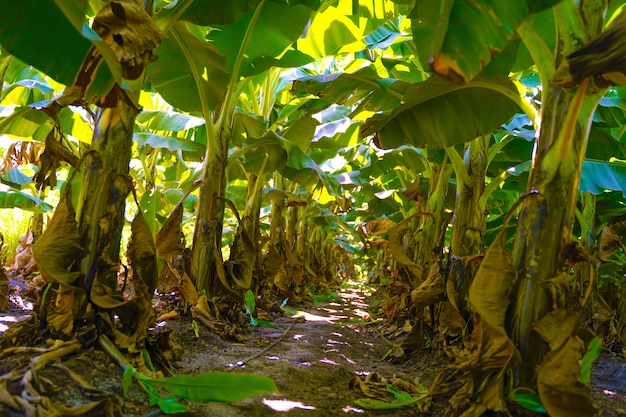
x=4 y=289
x=126 y=27
x=170 y=239
x=59 y=248
x=396 y=244
x=492 y=285
x=242 y=257
x=557 y=326
x=609 y=243
x=377 y=227
x=63 y=306
x=188 y=290
x=560 y=390
x=430 y=291
x=141 y=254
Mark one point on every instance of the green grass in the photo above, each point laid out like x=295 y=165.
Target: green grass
x=13 y=224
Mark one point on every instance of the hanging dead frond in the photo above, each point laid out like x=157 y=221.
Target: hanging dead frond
x=131 y=33
x=603 y=60
x=4 y=289
x=609 y=243
x=558 y=376
x=477 y=379
x=141 y=254
x=59 y=248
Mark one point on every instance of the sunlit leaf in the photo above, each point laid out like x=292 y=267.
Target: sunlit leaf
x=462 y=37
x=276 y=28
x=187 y=69
x=170 y=143
x=16 y=199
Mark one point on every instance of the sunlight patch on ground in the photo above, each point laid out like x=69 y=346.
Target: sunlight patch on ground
x=350 y=409
x=328 y=361
x=286 y=405
x=314 y=317
x=11 y=319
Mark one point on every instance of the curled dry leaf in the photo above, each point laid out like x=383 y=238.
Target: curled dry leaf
x=609 y=243
x=558 y=376
x=170 y=239
x=240 y=264
x=59 y=247
x=142 y=254
x=430 y=291
x=63 y=305
x=130 y=32
x=478 y=378
x=4 y=289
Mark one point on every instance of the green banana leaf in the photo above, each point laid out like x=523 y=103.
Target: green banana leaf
x=277 y=27
x=283 y=156
x=10 y=198
x=168 y=120
x=436 y=112
x=188 y=68
x=54 y=37
x=461 y=37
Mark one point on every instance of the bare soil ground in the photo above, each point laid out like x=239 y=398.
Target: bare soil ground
x=312 y=363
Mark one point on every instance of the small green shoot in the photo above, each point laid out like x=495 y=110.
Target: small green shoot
x=195 y=328
x=529 y=401
x=250 y=306
x=325 y=298
x=593 y=353
x=402 y=399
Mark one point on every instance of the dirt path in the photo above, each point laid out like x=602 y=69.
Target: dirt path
x=312 y=364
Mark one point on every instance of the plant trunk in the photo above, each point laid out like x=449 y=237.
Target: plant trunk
x=105 y=185
x=426 y=239
x=207 y=238
x=547 y=216
x=468 y=223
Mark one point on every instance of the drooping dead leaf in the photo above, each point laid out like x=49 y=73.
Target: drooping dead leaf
x=477 y=379
x=202 y=312
x=603 y=314
x=556 y=327
x=130 y=32
x=451 y=323
x=170 y=239
x=430 y=291
x=59 y=248
x=396 y=242
x=377 y=227
x=63 y=305
x=489 y=292
x=4 y=289
x=609 y=243
x=603 y=59
x=188 y=290
x=558 y=376
x=242 y=257
x=141 y=254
